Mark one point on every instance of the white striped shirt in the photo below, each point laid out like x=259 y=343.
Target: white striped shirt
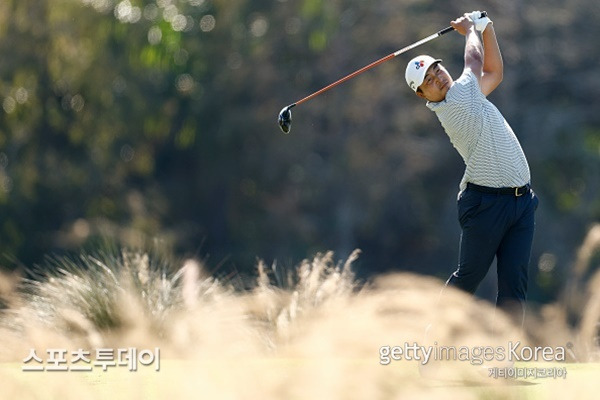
x=487 y=144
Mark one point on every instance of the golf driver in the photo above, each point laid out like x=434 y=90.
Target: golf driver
x=285 y=115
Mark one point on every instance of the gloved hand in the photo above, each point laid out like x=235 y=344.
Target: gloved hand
x=479 y=22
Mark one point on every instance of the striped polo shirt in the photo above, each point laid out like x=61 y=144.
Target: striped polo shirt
x=487 y=144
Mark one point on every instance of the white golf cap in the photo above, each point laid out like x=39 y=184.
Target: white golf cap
x=416 y=70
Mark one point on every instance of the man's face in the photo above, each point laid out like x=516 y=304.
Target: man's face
x=436 y=84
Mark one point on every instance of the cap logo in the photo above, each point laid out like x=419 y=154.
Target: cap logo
x=419 y=64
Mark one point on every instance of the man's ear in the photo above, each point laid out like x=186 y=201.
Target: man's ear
x=420 y=94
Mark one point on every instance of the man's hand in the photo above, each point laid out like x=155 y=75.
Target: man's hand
x=480 y=22
x=462 y=24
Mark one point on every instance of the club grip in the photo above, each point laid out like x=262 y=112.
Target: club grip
x=445 y=30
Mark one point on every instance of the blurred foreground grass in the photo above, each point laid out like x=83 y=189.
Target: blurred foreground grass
x=308 y=332
x=273 y=378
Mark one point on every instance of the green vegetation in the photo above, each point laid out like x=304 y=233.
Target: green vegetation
x=157 y=119
x=154 y=121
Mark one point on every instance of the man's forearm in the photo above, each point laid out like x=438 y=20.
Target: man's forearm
x=474 y=52
x=492 y=58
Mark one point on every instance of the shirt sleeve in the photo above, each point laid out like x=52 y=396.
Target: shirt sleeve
x=461 y=113
x=465 y=91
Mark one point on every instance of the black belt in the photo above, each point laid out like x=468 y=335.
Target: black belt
x=515 y=191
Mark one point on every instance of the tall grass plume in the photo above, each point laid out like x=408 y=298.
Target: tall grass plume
x=312 y=331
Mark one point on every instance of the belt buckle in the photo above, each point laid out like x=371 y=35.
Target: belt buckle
x=517 y=194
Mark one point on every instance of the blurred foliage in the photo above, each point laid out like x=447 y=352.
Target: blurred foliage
x=157 y=119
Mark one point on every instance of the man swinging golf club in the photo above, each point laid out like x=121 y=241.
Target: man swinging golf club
x=496 y=205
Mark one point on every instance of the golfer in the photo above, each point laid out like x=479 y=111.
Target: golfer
x=496 y=205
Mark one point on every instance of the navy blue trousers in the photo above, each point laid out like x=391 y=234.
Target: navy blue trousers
x=501 y=226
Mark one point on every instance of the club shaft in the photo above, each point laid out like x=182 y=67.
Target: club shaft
x=347 y=77
x=423 y=41
x=375 y=63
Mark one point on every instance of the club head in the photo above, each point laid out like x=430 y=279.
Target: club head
x=285 y=119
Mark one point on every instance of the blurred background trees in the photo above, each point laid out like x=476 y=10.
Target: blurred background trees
x=157 y=119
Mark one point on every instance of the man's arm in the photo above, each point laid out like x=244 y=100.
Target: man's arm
x=474 y=57
x=492 y=61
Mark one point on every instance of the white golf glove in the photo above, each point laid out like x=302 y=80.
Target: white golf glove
x=479 y=22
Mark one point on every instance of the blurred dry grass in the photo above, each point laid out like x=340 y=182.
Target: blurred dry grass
x=308 y=332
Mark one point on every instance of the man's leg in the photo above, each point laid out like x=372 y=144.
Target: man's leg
x=482 y=223
x=513 y=260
